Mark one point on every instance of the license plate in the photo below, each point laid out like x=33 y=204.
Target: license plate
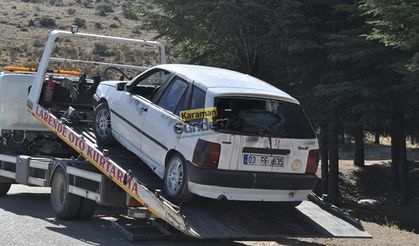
x=264 y=160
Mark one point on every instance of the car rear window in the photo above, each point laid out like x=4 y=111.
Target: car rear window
x=263 y=117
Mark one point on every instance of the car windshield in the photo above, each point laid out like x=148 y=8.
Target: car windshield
x=266 y=117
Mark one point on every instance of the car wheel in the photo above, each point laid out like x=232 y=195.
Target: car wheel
x=102 y=127
x=175 y=182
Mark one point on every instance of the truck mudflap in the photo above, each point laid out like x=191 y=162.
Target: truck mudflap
x=157 y=205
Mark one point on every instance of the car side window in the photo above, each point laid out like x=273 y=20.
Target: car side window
x=173 y=95
x=198 y=98
x=157 y=78
x=149 y=84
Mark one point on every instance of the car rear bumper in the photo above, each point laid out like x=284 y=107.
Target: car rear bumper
x=237 y=194
x=255 y=186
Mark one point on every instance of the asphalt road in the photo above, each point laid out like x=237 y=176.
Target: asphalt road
x=27 y=219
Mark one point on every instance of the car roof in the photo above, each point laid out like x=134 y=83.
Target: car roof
x=212 y=77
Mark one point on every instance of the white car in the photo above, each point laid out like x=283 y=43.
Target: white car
x=212 y=132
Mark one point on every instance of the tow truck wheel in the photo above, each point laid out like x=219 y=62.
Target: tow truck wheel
x=102 y=128
x=87 y=209
x=175 y=182
x=65 y=205
x=4 y=188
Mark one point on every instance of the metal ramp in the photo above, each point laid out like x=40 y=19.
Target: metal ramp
x=212 y=219
x=203 y=218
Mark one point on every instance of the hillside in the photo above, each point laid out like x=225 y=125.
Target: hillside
x=25 y=24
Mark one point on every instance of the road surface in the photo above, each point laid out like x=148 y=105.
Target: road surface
x=27 y=219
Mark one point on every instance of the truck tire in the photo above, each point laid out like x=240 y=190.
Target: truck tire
x=86 y=209
x=175 y=181
x=4 y=188
x=102 y=124
x=65 y=205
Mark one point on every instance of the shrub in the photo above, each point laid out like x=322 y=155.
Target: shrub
x=31 y=23
x=101 y=12
x=56 y=2
x=136 y=29
x=46 y=21
x=128 y=11
x=113 y=25
x=101 y=50
x=87 y=4
x=98 y=25
x=71 y=11
x=107 y=8
x=32 y=1
x=38 y=43
x=79 y=22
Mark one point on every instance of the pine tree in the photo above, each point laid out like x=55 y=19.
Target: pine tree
x=395 y=24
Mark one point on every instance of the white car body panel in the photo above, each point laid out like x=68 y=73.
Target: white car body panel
x=248 y=194
x=159 y=122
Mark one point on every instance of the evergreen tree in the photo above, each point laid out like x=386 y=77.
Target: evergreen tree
x=352 y=63
x=273 y=40
x=395 y=24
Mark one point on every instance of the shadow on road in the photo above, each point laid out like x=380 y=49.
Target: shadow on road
x=98 y=230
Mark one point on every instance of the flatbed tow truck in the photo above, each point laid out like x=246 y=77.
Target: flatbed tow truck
x=116 y=177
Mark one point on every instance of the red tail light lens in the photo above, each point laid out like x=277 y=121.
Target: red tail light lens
x=206 y=154
x=312 y=161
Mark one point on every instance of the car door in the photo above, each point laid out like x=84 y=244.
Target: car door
x=159 y=135
x=129 y=109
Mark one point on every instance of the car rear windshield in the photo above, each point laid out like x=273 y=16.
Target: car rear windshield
x=263 y=117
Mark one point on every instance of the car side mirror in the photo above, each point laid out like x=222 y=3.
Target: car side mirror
x=121 y=86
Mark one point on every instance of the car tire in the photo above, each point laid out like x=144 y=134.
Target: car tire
x=64 y=204
x=102 y=124
x=4 y=188
x=175 y=181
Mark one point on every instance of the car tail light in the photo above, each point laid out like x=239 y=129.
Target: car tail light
x=312 y=161
x=206 y=154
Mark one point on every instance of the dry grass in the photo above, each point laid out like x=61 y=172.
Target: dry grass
x=374 y=182
x=22 y=44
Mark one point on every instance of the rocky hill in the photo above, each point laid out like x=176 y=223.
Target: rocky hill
x=25 y=24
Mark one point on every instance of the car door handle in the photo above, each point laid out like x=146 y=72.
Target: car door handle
x=143 y=108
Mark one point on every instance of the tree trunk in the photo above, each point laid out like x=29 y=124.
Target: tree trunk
x=341 y=134
x=332 y=142
x=324 y=158
x=377 y=137
x=403 y=164
x=359 y=153
x=398 y=155
x=395 y=152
